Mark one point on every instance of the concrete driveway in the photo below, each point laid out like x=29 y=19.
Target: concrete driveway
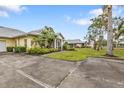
x=26 y=71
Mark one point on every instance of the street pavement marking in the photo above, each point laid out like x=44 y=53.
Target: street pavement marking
x=35 y=80
x=69 y=74
x=26 y=75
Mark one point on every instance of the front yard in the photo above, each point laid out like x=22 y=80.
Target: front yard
x=83 y=53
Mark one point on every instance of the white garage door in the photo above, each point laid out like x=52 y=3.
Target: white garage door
x=2 y=46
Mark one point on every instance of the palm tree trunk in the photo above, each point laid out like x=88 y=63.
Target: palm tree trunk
x=109 y=32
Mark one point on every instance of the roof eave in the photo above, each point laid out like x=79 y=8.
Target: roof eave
x=5 y=37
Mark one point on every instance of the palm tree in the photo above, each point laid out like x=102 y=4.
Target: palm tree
x=96 y=32
x=46 y=37
x=107 y=10
x=120 y=29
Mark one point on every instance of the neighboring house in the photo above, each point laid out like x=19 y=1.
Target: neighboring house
x=120 y=42
x=76 y=43
x=90 y=44
x=13 y=37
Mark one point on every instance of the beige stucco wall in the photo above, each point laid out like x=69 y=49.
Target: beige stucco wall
x=20 y=41
x=9 y=42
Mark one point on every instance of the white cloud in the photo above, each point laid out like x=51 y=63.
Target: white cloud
x=96 y=12
x=78 y=21
x=5 y=10
x=117 y=11
x=81 y=22
x=3 y=14
x=14 y=8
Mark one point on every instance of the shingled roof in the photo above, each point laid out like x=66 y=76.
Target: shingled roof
x=74 y=41
x=10 y=32
x=6 y=32
x=35 y=32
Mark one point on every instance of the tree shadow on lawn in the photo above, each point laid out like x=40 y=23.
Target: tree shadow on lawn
x=112 y=57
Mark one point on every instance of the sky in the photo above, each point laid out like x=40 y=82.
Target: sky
x=71 y=21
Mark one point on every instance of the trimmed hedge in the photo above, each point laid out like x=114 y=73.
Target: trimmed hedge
x=20 y=49
x=10 y=49
x=41 y=50
x=70 y=49
x=65 y=46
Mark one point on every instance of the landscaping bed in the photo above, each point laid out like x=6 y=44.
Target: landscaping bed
x=33 y=51
x=39 y=51
x=19 y=49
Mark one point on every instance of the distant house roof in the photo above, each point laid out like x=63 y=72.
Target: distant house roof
x=74 y=41
x=9 y=32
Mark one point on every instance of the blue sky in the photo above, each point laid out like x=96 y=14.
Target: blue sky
x=71 y=21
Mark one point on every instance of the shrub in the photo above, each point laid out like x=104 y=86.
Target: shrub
x=87 y=46
x=44 y=51
x=70 y=49
x=38 y=51
x=65 y=46
x=10 y=49
x=54 y=50
x=32 y=50
x=20 y=49
x=41 y=50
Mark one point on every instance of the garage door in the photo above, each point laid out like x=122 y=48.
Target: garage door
x=2 y=46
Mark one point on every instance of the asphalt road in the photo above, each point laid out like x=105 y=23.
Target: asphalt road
x=27 y=71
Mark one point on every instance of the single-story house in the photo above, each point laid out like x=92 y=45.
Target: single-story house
x=10 y=37
x=90 y=44
x=120 y=42
x=76 y=43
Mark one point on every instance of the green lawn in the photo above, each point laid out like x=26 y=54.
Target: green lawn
x=83 y=53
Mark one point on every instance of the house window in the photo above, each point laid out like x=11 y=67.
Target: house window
x=25 y=42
